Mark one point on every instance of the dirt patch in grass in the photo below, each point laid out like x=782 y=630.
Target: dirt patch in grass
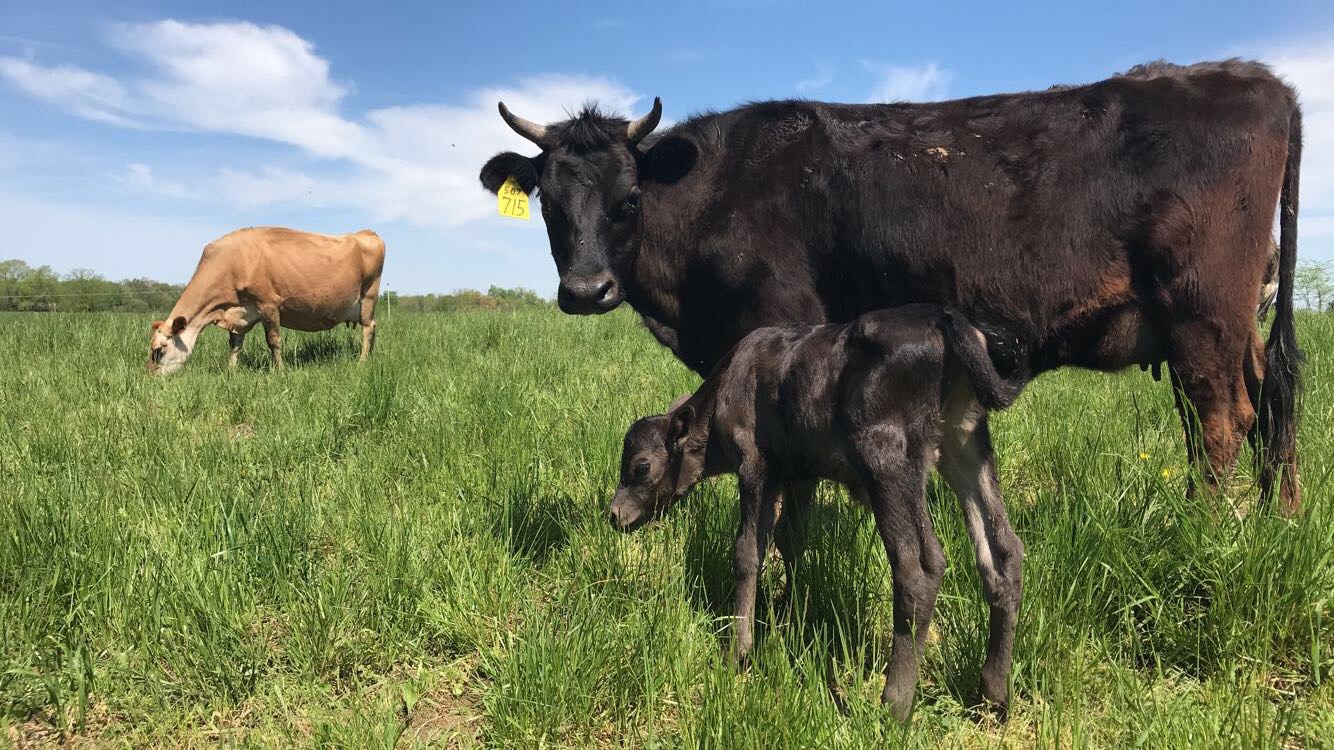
x=443 y=716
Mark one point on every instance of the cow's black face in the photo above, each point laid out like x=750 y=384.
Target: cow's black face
x=588 y=180
x=591 y=205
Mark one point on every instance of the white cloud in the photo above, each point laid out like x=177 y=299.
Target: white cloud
x=269 y=186
x=1310 y=69
x=416 y=163
x=824 y=75
x=262 y=81
x=140 y=177
x=897 y=83
x=90 y=95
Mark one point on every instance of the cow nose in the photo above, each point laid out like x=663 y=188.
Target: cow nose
x=614 y=519
x=591 y=294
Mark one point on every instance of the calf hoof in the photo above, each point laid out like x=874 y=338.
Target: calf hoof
x=898 y=700
x=998 y=711
x=995 y=695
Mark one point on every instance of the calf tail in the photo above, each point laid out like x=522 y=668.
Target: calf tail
x=1281 y=390
x=969 y=346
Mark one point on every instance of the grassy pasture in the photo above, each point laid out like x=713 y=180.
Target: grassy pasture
x=413 y=553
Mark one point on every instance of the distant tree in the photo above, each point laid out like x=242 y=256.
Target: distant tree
x=39 y=289
x=516 y=297
x=84 y=291
x=36 y=290
x=495 y=298
x=27 y=288
x=1312 y=284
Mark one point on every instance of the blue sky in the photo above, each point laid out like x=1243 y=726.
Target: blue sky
x=136 y=132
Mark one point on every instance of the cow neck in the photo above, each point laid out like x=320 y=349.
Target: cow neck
x=665 y=252
x=198 y=310
x=656 y=275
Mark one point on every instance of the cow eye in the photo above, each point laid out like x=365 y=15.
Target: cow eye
x=629 y=206
x=641 y=471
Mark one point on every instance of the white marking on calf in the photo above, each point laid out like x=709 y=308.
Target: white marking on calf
x=968 y=473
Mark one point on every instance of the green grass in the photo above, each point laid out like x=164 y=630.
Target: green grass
x=414 y=552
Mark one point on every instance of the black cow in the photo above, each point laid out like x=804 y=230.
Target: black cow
x=873 y=404
x=1122 y=222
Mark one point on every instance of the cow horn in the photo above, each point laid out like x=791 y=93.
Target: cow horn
x=530 y=130
x=638 y=129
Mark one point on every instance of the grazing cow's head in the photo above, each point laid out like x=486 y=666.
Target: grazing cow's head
x=588 y=174
x=167 y=349
x=659 y=465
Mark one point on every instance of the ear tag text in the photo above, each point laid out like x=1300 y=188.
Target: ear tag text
x=512 y=201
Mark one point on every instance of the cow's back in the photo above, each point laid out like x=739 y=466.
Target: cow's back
x=315 y=280
x=1033 y=211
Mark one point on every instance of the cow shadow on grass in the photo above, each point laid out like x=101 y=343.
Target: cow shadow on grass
x=303 y=351
x=324 y=348
x=531 y=521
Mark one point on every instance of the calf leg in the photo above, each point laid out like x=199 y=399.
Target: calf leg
x=969 y=467
x=895 y=488
x=236 y=339
x=760 y=497
x=791 y=533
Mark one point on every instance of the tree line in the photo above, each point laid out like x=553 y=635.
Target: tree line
x=25 y=288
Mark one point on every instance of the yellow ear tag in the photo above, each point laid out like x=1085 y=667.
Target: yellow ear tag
x=512 y=201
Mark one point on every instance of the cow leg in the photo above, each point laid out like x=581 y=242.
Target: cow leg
x=1264 y=469
x=1211 y=257
x=895 y=489
x=367 y=340
x=235 y=339
x=792 y=530
x=1213 y=399
x=273 y=334
x=969 y=467
x=368 y=324
x=760 y=498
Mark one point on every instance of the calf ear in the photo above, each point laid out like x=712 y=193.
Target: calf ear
x=501 y=167
x=158 y=324
x=178 y=325
x=679 y=426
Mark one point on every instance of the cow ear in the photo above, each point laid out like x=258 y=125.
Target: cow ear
x=501 y=167
x=158 y=324
x=668 y=159
x=178 y=325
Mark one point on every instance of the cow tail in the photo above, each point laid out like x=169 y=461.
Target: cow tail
x=1281 y=389
x=992 y=390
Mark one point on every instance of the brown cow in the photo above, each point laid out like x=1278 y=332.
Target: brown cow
x=282 y=278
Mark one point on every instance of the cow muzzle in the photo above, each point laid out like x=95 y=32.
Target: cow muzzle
x=589 y=295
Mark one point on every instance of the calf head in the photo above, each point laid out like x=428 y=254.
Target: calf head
x=658 y=467
x=588 y=174
x=167 y=348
